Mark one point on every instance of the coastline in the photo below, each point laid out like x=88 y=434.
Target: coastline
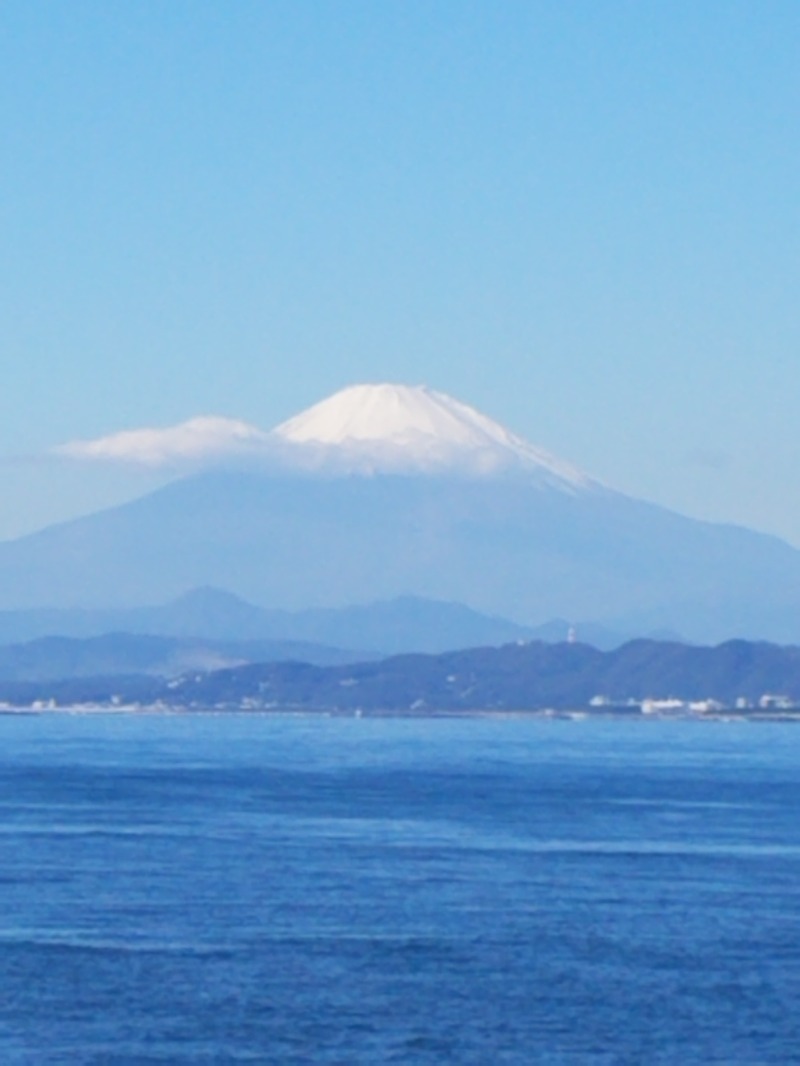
x=629 y=714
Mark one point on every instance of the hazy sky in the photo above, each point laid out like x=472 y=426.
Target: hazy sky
x=579 y=217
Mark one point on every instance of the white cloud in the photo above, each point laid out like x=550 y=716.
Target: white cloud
x=199 y=442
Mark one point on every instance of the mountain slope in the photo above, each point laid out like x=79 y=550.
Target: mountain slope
x=496 y=544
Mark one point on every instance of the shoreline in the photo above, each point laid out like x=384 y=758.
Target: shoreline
x=632 y=714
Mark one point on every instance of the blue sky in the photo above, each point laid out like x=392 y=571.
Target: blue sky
x=581 y=218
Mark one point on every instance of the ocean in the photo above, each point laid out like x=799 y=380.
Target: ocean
x=300 y=890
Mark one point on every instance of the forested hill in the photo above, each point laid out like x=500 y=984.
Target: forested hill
x=514 y=677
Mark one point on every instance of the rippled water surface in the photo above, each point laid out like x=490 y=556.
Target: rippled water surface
x=219 y=889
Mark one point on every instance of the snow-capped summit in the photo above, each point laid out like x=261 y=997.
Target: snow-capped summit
x=376 y=428
x=389 y=413
x=363 y=429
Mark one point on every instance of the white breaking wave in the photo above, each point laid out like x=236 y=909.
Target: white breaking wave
x=363 y=429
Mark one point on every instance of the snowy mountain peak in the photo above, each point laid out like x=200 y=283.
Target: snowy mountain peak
x=388 y=413
x=386 y=427
x=363 y=429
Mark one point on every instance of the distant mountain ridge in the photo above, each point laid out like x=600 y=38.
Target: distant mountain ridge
x=404 y=624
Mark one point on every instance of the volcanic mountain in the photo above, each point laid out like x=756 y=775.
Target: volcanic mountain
x=390 y=490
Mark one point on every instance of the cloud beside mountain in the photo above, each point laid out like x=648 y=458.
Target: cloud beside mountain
x=200 y=441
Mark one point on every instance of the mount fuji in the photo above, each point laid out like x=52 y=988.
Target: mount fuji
x=389 y=490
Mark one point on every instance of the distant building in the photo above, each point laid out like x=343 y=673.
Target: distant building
x=706 y=706
x=670 y=706
x=770 y=702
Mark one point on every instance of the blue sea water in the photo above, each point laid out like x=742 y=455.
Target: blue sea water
x=226 y=889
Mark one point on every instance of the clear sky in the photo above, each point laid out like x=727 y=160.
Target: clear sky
x=580 y=217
